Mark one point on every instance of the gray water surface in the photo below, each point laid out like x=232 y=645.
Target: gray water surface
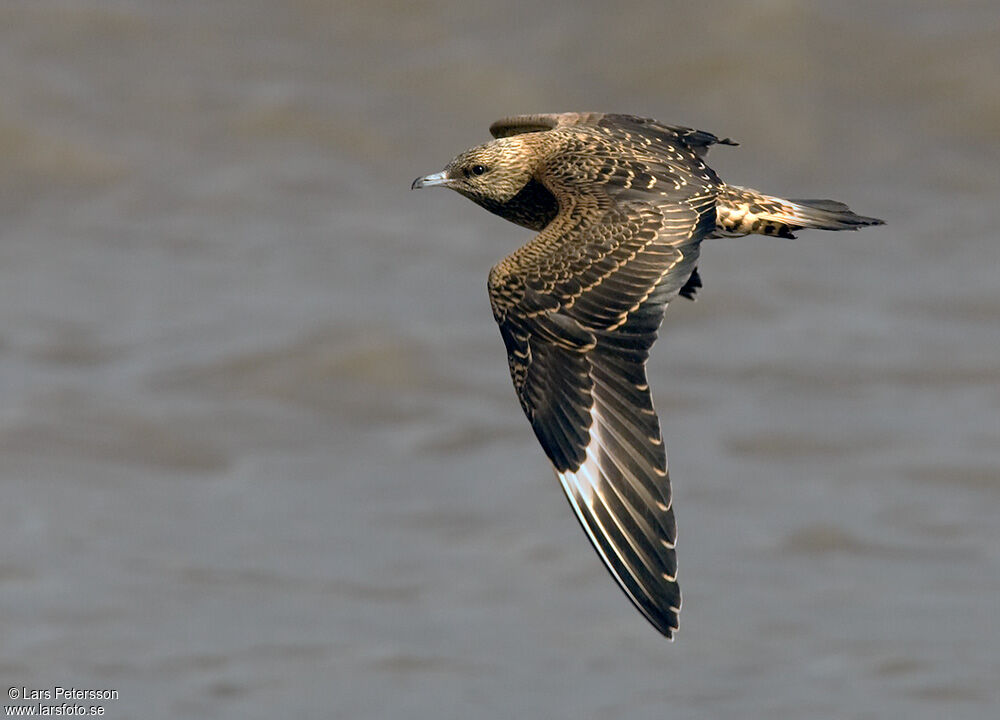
x=259 y=452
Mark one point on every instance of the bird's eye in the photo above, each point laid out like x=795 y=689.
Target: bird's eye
x=478 y=169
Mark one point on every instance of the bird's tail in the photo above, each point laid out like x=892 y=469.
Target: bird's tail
x=741 y=211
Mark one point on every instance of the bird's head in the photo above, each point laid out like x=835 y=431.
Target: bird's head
x=490 y=175
x=499 y=176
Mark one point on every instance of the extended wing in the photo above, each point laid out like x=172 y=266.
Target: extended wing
x=697 y=140
x=579 y=308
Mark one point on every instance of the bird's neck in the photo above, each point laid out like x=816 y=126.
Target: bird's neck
x=532 y=207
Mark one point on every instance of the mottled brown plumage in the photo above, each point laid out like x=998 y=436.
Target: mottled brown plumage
x=621 y=205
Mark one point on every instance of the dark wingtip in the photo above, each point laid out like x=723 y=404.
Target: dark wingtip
x=667 y=626
x=670 y=630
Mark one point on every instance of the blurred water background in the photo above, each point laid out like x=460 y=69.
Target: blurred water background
x=259 y=452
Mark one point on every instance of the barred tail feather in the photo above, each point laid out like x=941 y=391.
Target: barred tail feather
x=741 y=211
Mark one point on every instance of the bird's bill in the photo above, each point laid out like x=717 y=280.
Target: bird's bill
x=438 y=178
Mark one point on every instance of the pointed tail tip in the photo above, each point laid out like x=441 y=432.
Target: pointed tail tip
x=861 y=221
x=830 y=215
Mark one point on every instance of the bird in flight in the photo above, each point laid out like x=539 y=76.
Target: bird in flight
x=621 y=205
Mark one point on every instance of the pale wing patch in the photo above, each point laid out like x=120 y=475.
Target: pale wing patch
x=583 y=489
x=620 y=538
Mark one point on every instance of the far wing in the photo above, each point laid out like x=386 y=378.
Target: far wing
x=697 y=140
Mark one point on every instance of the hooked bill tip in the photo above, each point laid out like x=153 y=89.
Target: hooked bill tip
x=437 y=178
